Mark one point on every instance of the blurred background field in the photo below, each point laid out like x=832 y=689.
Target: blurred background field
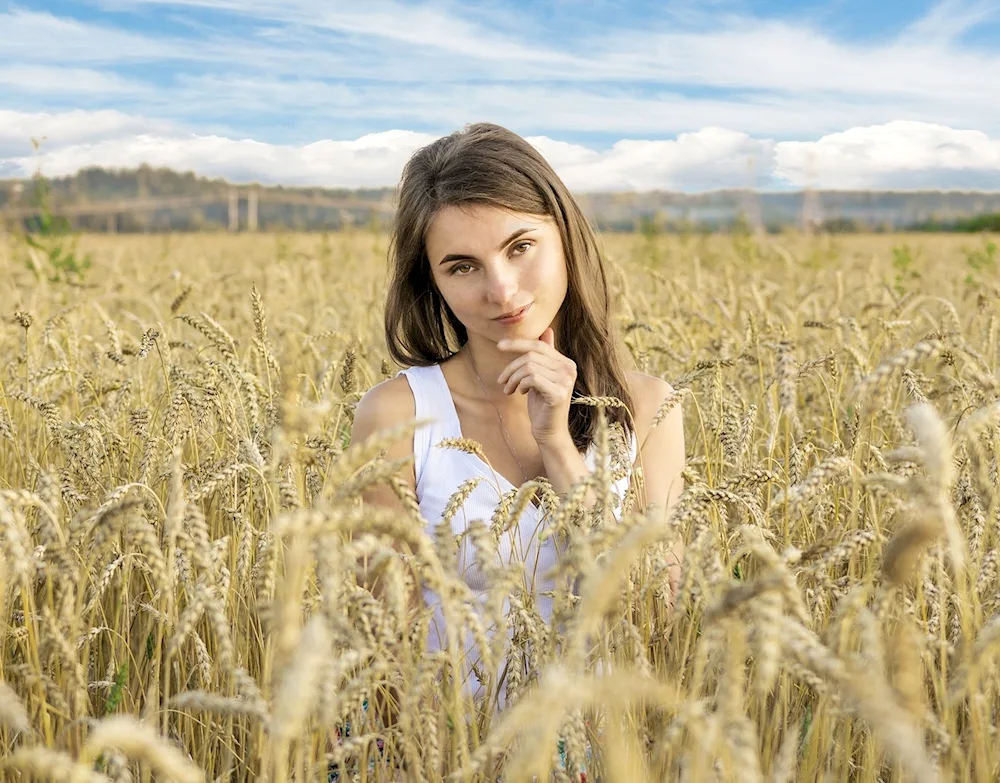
x=179 y=521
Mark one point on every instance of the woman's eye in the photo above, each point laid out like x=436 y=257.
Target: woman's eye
x=522 y=247
x=455 y=270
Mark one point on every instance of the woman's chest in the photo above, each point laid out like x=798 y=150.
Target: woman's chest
x=505 y=440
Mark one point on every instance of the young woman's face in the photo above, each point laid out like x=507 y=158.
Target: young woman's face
x=488 y=262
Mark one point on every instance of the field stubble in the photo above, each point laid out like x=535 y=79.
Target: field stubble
x=180 y=527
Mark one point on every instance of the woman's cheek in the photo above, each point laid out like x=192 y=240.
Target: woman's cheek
x=552 y=274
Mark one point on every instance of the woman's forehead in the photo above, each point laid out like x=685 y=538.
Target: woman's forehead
x=477 y=228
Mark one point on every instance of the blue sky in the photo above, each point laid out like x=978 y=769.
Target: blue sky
x=675 y=94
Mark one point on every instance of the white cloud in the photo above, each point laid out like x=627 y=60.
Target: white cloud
x=371 y=160
x=708 y=159
x=900 y=155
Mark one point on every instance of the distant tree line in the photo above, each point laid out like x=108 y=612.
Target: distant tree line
x=976 y=224
x=646 y=212
x=971 y=225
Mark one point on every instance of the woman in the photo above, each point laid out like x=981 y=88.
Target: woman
x=499 y=306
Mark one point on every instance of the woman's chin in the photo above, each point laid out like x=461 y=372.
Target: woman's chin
x=521 y=331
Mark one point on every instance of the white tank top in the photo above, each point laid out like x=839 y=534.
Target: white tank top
x=441 y=471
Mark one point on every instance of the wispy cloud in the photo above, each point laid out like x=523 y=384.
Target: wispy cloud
x=948 y=20
x=399 y=43
x=735 y=52
x=34 y=37
x=423 y=27
x=33 y=80
x=528 y=108
x=70 y=129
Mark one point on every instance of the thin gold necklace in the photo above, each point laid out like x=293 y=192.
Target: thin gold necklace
x=503 y=428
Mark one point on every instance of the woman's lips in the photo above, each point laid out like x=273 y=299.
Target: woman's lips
x=515 y=318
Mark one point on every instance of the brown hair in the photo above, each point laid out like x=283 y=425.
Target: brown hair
x=488 y=164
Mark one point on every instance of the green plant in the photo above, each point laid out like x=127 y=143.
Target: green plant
x=117 y=689
x=903 y=261
x=981 y=260
x=51 y=247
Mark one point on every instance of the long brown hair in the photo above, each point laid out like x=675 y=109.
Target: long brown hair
x=488 y=164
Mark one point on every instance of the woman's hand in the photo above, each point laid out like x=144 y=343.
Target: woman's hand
x=548 y=378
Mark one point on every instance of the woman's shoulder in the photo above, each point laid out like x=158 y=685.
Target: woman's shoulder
x=648 y=389
x=384 y=405
x=648 y=393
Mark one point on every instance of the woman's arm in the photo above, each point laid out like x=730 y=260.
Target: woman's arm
x=660 y=455
x=383 y=407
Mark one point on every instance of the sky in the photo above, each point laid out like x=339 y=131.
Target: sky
x=688 y=95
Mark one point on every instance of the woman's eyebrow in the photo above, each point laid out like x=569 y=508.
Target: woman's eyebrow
x=507 y=241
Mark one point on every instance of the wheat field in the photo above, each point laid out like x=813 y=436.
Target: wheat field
x=181 y=529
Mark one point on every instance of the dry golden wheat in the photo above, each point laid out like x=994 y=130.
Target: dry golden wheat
x=182 y=539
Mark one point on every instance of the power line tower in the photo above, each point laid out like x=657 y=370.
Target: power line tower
x=812 y=209
x=751 y=201
x=234 y=210
x=253 y=199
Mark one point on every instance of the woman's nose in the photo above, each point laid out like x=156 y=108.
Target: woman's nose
x=501 y=283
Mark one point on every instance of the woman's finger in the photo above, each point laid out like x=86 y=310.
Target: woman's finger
x=551 y=392
x=558 y=390
x=520 y=361
x=527 y=369
x=561 y=375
